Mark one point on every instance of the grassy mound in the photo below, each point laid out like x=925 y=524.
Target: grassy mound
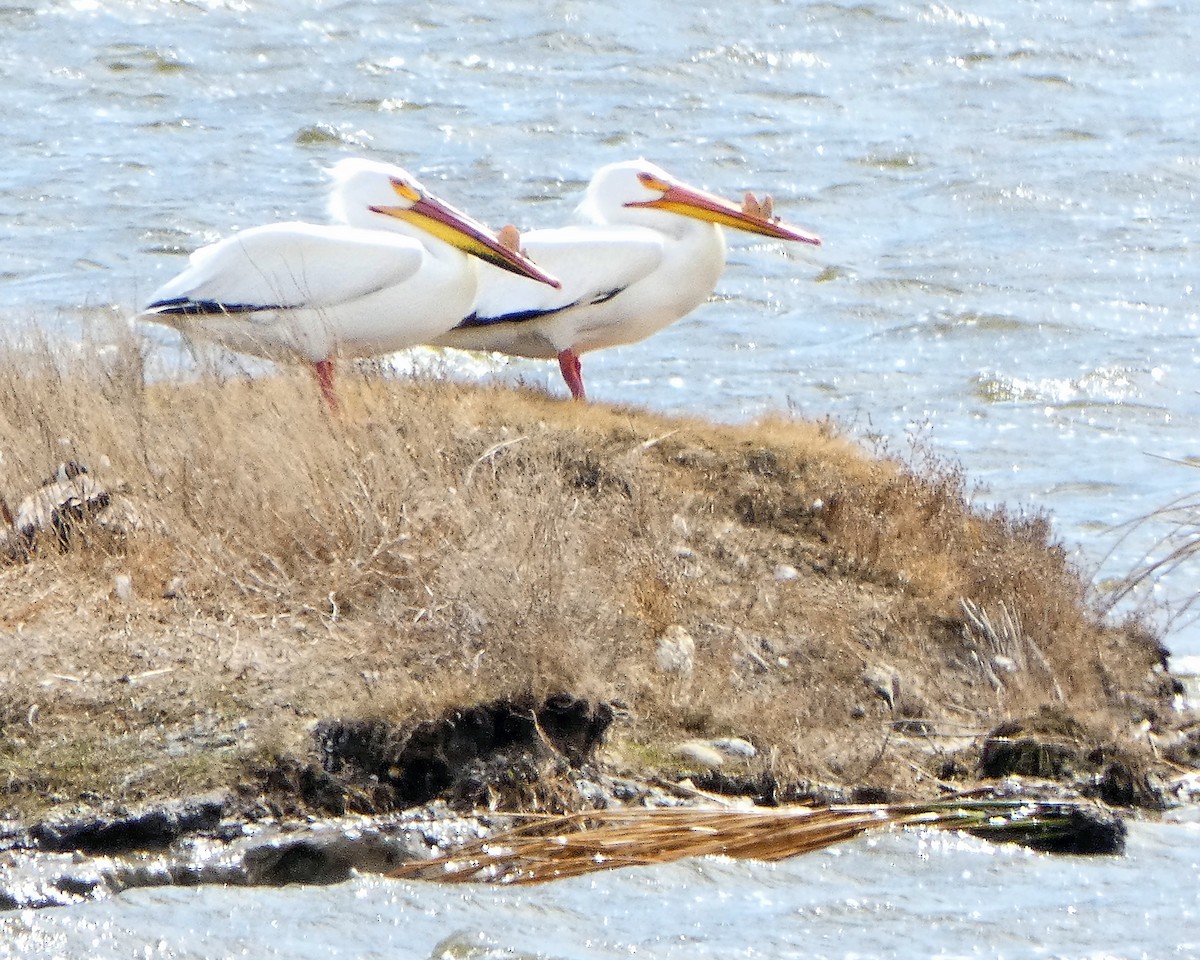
x=440 y=544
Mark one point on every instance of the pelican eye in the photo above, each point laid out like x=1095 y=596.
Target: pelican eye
x=406 y=190
x=651 y=182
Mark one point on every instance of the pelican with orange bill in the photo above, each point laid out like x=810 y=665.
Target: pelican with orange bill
x=648 y=250
x=405 y=275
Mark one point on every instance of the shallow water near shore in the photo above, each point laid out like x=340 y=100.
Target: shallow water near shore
x=896 y=895
x=1007 y=197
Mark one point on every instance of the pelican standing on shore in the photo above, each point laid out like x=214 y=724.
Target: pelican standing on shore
x=649 y=250
x=402 y=276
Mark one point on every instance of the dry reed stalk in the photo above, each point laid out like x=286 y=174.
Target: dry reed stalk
x=555 y=848
x=1170 y=551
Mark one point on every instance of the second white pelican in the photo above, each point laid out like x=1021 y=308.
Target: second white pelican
x=649 y=251
x=400 y=279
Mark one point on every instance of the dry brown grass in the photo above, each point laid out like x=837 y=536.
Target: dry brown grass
x=440 y=543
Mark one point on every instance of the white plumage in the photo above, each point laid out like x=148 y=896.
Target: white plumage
x=649 y=250
x=400 y=278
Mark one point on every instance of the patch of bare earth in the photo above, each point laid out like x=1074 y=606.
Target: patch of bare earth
x=440 y=545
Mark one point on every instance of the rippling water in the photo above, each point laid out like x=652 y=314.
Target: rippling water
x=1007 y=194
x=895 y=896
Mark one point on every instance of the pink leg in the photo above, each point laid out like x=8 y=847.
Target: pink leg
x=324 y=371
x=572 y=371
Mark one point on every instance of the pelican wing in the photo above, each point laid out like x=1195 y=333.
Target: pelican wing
x=593 y=263
x=287 y=265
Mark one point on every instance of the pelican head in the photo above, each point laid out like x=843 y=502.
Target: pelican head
x=641 y=185
x=371 y=194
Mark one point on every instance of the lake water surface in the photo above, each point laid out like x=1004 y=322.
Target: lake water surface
x=894 y=896
x=1008 y=198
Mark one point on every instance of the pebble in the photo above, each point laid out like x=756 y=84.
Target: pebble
x=735 y=747
x=1003 y=664
x=123 y=587
x=676 y=651
x=700 y=753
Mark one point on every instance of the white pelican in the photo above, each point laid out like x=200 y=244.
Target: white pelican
x=649 y=251
x=400 y=279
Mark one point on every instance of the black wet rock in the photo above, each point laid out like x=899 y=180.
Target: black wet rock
x=78 y=887
x=1081 y=829
x=321 y=860
x=152 y=828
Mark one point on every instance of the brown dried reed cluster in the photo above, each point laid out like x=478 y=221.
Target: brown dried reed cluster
x=542 y=848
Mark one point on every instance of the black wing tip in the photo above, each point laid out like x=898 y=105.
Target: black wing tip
x=475 y=320
x=606 y=296
x=523 y=316
x=186 y=307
